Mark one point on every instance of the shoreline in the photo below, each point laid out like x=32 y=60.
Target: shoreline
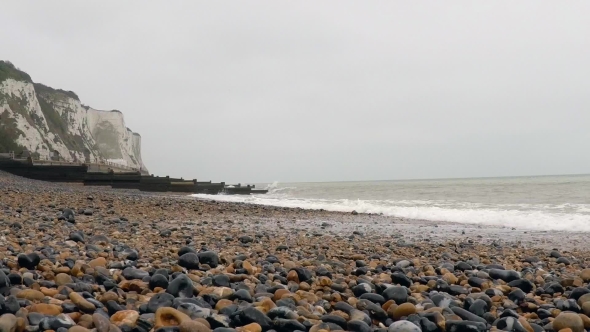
x=418 y=229
x=94 y=259
x=342 y=223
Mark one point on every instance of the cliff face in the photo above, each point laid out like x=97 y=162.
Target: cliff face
x=42 y=120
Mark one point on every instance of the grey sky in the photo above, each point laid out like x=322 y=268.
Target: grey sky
x=330 y=90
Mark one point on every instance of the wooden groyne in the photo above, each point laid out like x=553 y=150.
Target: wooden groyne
x=53 y=173
x=152 y=183
x=116 y=178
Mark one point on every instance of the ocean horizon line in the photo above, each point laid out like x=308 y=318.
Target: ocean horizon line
x=430 y=179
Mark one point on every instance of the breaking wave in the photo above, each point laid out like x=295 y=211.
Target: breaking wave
x=542 y=203
x=274 y=188
x=543 y=217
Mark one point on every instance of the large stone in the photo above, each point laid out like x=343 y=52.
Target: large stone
x=466 y=315
x=250 y=269
x=465 y=325
x=101 y=323
x=251 y=315
x=10 y=305
x=506 y=275
x=404 y=310
x=403 y=326
x=21 y=323
x=8 y=323
x=334 y=319
x=78 y=329
x=585 y=275
x=397 y=293
x=194 y=311
x=100 y=261
x=568 y=320
x=46 y=309
x=221 y=280
x=303 y=274
x=108 y=296
x=186 y=250
x=77 y=236
x=125 y=317
x=82 y=303
x=5 y=283
x=67 y=214
x=133 y=273
x=450 y=278
x=583 y=299
x=158 y=280
x=209 y=257
x=189 y=261
x=586 y=321
x=479 y=307
x=193 y=326
x=524 y=284
x=63 y=279
x=252 y=327
x=168 y=316
x=182 y=286
x=28 y=261
x=358 y=326
x=245 y=239
x=241 y=295
x=54 y=323
x=158 y=301
x=30 y=294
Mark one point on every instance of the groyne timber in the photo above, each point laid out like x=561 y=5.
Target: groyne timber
x=114 y=176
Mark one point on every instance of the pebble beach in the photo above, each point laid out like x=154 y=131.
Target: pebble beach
x=82 y=259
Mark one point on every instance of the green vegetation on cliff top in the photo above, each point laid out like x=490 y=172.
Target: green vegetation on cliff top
x=8 y=70
x=42 y=88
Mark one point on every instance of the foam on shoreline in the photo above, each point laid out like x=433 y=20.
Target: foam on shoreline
x=526 y=217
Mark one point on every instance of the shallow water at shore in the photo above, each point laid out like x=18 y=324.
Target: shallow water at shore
x=541 y=203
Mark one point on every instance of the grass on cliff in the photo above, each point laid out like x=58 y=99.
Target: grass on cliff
x=55 y=93
x=8 y=70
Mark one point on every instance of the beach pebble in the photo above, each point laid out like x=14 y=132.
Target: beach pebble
x=585 y=275
x=209 y=257
x=193 y=326
x=29 y=261
x=31 y=295
x=46 y=309
x=189 y=261
x=568 y=320
x=181 y=286
x=123 y=317
x=8 y=323
x=167 y=316
x=101 y=322
x=403 y=326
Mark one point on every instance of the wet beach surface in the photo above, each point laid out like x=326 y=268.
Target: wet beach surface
x=76 y=258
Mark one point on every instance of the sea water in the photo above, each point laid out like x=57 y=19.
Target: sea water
x=541 y=202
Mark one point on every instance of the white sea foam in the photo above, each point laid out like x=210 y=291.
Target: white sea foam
x=272 y=186
x=528 y=216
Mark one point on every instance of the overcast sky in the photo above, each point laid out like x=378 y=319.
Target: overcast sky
x=324 y=90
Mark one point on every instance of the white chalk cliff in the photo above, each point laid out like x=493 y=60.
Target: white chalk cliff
x=42 y=120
